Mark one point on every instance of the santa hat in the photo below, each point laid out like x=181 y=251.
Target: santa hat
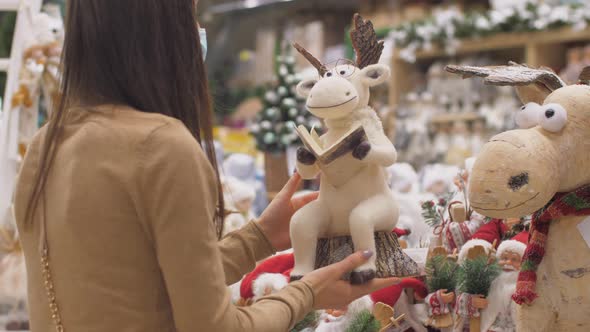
x=402 y=175
x=492 y=231
x=237 y=190
x=487 y=246
x=271 y=271
x=516 y=245
x=391 y=294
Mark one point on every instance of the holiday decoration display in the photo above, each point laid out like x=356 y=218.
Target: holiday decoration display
x=476 y=271
x=274 y=128
x=500 y=312
x=238 y=197
x=522 y=171
x=349 y=210
x=447 y=27
x=440 y=279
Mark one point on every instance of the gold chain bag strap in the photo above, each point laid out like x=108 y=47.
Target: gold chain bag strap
x=46 y=271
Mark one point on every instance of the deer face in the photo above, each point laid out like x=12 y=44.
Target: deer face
x=341 y=90
x=519 y=171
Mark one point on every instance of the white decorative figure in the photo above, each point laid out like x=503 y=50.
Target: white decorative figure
x=363 y=204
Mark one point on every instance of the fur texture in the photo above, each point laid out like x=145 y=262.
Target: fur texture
x=365 y=203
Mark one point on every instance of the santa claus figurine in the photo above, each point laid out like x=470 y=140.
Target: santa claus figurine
x=499 y=314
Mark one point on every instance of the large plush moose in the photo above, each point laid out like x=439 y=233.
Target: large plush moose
x=364 y=204
x=543 y=169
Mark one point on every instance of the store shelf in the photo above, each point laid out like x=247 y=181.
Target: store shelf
x=453 y=117
x=543 y=48
x=510 y=40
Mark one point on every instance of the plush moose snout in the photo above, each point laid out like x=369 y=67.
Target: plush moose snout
x=332 y=94
x=510 y=178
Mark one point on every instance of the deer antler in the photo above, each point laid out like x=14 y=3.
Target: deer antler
x=313 y=60
x=513 y=75
x=584 y=77
x=367 y=47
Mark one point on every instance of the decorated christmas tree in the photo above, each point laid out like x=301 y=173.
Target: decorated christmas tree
x=283 y=110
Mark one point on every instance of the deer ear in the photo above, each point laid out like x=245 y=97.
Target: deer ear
x=532 y=93
x=304 y=87
x=373 y=75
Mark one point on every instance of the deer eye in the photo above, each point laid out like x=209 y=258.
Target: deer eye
x=345 y=70
x=528 y=116
x=553 y=117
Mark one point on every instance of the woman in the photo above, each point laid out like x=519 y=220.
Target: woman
x=116 y=199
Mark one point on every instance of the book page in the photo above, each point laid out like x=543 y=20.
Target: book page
x=309 y=141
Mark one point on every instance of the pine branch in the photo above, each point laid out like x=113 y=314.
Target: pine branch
x=475 y=276
x=364 y=322
x=310 y=320
x=440 y=273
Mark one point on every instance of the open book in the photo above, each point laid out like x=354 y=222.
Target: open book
x=336 y=161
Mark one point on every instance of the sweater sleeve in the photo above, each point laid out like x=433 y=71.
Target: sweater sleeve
x=241 y=250
x=177 y=195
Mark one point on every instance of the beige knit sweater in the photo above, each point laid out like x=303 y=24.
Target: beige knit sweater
x=129 y=205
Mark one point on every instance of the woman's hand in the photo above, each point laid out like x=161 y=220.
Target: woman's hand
x=332 y=293
x=275 y=219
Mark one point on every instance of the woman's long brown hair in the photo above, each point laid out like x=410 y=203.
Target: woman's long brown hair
x=145 y=54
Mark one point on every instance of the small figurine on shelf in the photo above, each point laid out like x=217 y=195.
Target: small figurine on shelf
x=574 y=66
x=355 y=209
x=239 y=197
x=477 y=269
x=442 y=142
x=500 y=312
x=440 y=279
x=460 y=147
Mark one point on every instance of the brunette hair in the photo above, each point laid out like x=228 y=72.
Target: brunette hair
x=145 y=54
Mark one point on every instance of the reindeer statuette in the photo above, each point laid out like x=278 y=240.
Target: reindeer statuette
x=543 y=169
x=350 y=208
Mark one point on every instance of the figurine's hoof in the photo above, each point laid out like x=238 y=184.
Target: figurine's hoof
x=294 y=278
x=361 y=277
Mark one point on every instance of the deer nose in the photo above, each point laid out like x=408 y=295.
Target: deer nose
x=518 y=181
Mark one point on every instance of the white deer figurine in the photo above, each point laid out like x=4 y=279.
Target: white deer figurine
x=364 y=204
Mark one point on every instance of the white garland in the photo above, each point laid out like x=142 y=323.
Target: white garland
x=447 y=27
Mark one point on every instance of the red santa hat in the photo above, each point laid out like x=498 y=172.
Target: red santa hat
x=516 y=245
x=391 y=294
x=487 y=246
x=492 y=231
x=272 y=273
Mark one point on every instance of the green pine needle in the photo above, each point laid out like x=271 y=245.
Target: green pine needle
x=310 y=320
x=364 y=322
x=440 y=273
x=475 y=276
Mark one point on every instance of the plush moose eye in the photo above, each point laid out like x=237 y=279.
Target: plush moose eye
x=553 y=117
x=528 y=116
x=329 y=74
x=344 y=70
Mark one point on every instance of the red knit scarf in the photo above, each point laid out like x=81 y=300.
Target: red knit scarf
x=575 y=203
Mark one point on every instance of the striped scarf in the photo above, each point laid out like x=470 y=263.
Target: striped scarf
x=575 y=203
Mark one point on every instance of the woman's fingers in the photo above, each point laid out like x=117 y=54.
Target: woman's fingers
x=290 y=187
x=353 y=261
x=373 y=286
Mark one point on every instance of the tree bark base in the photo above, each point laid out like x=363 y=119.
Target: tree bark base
x=391 y=260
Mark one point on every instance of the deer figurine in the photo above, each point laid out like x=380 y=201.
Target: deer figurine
x=543 y=169
x=364 y=204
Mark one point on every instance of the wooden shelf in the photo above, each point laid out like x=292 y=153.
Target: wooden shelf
x=452 y=117
x=509 y=40
x=543 y=48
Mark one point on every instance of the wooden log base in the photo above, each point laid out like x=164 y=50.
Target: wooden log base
x=391 y=260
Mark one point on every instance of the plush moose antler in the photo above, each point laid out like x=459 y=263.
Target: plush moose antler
x=531 y=84
x=367 y=47
x=584 y=77
x=312 y=59
x=514 y=75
